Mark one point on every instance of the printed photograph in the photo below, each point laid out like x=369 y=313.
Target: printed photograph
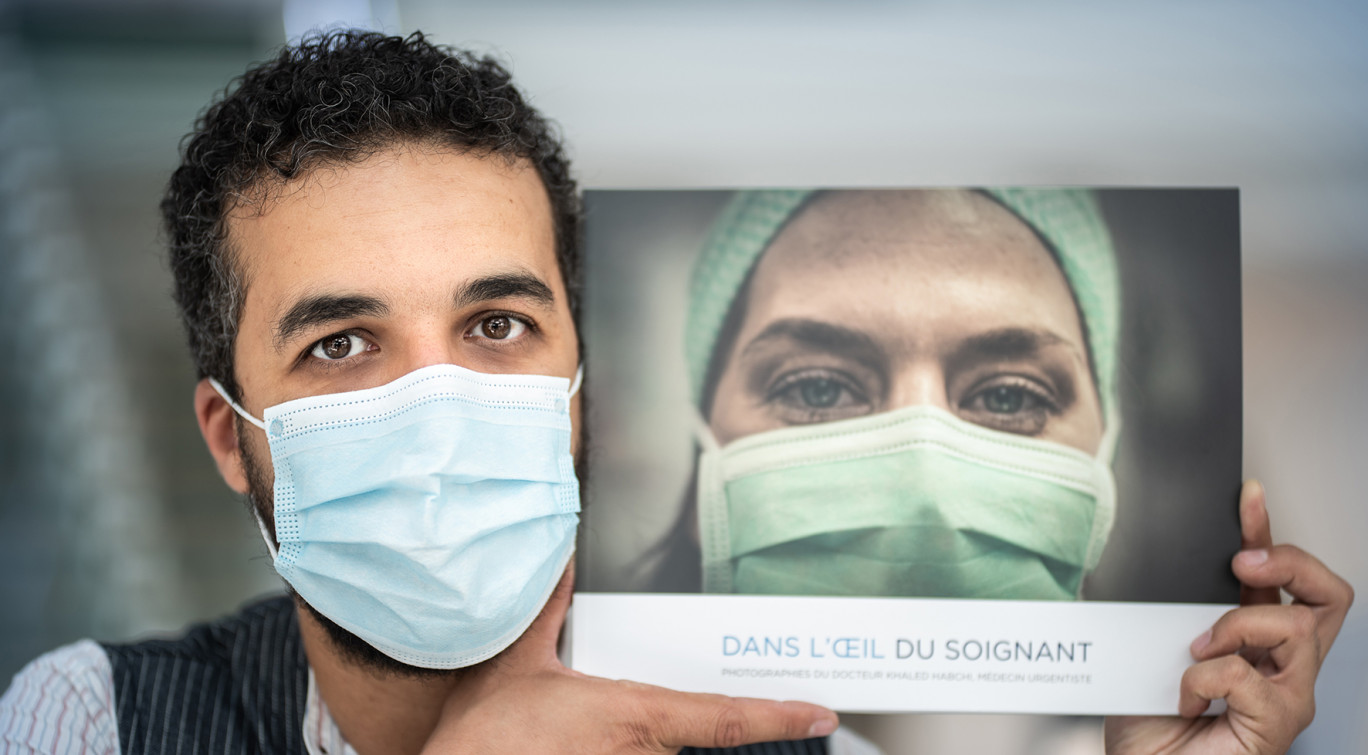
x=979 y=392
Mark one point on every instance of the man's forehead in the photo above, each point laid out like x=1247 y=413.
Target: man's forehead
x=404 y=206
x=448 y=170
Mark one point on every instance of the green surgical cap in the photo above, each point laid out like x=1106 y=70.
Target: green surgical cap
x=1068 y=219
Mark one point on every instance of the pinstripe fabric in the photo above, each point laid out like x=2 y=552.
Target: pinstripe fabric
x=237 y=685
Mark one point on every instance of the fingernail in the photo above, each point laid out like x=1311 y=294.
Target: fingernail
x=1252 y=558
x=822 y=728
x=1199 y=644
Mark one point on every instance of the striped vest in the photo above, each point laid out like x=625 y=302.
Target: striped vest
x=239 y=685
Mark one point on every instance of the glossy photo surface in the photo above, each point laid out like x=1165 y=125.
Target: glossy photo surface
x=1023 y=393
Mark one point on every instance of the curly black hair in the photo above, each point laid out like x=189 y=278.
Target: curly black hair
x=335 y=98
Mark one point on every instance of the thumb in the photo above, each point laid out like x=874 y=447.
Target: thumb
x=1255 y=533
x=536 y=648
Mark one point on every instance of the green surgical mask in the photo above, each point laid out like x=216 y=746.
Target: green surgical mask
x=913 y=502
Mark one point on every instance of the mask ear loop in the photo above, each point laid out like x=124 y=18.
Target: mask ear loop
x=265 y=533
x=241 y=412
x=575 y=384
x=714 y=527
x=703 y=433
x=1105 y=515
x=256 y=515
x=1106 y=450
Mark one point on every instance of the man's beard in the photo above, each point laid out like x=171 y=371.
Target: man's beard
x=351 y=648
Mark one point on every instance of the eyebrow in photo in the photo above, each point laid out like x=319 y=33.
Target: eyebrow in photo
x=1008 y=344
x=817 y=335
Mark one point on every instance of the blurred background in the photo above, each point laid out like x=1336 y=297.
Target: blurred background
x=113 y=523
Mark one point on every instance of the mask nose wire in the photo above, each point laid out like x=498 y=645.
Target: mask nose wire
x=574 y=388
x=241 y=412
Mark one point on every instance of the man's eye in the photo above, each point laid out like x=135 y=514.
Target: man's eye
x=338 y=346
x=499 y=328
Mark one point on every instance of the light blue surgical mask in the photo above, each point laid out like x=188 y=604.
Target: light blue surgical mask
x=433 y=516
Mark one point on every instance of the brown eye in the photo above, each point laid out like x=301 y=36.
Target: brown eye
x=338 y=346
x=499 y=328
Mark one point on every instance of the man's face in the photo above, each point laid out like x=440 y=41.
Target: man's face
x=361 y=273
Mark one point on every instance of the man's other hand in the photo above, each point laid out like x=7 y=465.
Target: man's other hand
x=1261 y=658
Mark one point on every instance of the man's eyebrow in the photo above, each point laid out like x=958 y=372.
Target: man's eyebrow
x=318 y=309
x=506 y=286
x=819 y=335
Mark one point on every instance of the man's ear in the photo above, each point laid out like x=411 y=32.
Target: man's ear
x=218 y=425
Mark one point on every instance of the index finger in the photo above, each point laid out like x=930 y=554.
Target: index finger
x=1306 y=579
x=685 y=719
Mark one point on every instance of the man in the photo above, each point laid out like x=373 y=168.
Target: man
x=375 y=249
x=359 y=209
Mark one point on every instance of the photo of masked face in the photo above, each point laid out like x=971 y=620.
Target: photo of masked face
x=942 y=432
x=899 y=393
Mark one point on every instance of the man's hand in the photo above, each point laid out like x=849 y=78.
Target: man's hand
x=524 y=700
x=1262 y=658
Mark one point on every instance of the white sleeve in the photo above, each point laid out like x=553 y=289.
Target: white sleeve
x=62 y=702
